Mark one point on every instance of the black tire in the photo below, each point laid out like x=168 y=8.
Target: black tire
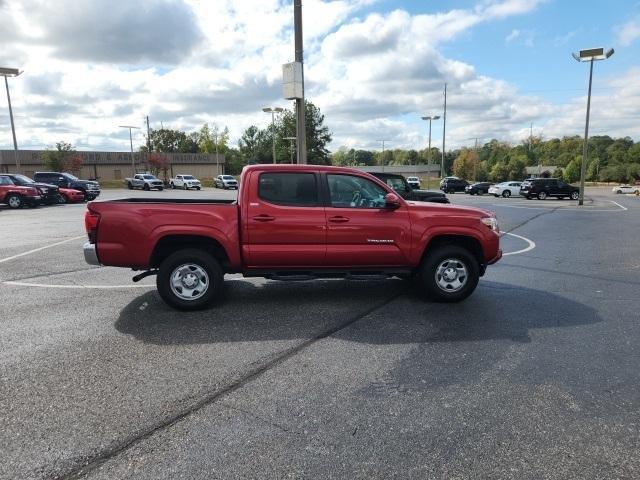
x=89 y=198
x=199 y=259
x=198 y=188
x=542 y=195
x=506 y=193
x=450 y=192
x=14 y=201
x=184 y=186
x=129 y=185
x=172 y=186
x=575 y=195
x=618 y=191
x=160 y=189
x=146 y=187
x=434 y=261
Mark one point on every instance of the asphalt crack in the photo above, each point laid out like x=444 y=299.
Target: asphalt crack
x=84 y=466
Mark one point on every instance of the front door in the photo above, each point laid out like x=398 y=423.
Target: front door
x=361 y=232
x=285 y=223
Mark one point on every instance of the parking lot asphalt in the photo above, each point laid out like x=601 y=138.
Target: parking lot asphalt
x=534 y=376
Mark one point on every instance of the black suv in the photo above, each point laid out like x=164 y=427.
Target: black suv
x=402 y=187
x=453 y=185
x=548 y=187
x=49 y=194
x=479 y=188
x=90 y=189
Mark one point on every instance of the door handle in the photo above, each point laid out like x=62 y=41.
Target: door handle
x=338 y=219
x=264 y=218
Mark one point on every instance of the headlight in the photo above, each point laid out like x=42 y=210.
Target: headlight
x=491 y=222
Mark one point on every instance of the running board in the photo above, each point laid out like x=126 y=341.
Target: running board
x=304 y=275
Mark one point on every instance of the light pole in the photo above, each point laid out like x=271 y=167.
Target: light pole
x=273 y=112
x=291 y=140
x=133 y=165
x=589 y=55
x=11 y=72
x=444 y=129
x=430 y=118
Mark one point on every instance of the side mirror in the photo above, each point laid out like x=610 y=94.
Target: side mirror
x=391 y=200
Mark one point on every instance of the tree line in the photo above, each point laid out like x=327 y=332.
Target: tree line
x=609 y=159
x=254 y=146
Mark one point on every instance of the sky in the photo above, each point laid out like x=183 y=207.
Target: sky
x=373 y=67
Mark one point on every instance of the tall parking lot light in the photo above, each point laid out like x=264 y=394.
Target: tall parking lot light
x=589 y=55
x=273 y=112
x=11 y=72
x=133 y=165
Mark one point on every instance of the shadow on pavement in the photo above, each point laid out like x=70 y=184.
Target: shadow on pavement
x=284 y=311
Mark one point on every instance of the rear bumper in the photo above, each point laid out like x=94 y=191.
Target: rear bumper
x=90 y=254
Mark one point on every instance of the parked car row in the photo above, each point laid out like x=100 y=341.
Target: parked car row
x=540 y=188
x=47 y=188
x=147 y=181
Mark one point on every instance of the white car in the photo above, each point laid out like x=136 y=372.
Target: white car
x=626 y=189
x=185 y=181
x=505 y=189
x=414 y=182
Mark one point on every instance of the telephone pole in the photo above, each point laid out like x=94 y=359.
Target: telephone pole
x=301 y=132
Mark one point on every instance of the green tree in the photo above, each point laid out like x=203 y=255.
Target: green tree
x=466 y=164
x=571 y=172
x=58 y=160
x=169 y=141
x=318 y=135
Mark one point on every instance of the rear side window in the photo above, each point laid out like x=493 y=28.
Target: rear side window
x=288 y=188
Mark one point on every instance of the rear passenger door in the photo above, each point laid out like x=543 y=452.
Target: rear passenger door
x=285 y=222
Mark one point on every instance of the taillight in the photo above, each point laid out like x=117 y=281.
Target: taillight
x=91 y=220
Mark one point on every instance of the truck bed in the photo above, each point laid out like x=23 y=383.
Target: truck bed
x=173 y=200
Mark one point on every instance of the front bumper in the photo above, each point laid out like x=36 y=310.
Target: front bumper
x=90 y=254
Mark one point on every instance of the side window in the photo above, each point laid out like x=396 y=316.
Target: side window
x=349 y=191
x=5 y=181
x=397 y=184
x=299 y=189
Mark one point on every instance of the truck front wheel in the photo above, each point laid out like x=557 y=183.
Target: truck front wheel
x=190 y=279
x=449 y=274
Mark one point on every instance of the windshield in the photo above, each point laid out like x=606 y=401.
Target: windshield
x=228 y=177
x=23 y=180
x=148 y=177
x=71 y=177
x=188 y=177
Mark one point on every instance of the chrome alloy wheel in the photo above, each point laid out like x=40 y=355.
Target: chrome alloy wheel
x=189 y=281
x=451 y=275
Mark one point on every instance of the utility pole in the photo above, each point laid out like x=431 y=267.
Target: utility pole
x=444 y=129
x=301 y=132
x=382 y=159
x=291 y=145
x=133 y=164
x=148 y=142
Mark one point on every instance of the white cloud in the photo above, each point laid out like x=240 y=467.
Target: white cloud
x=372 y=75
x=629 y=32
x=512 y=36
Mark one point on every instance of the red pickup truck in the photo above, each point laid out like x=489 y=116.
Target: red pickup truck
x=294 y=222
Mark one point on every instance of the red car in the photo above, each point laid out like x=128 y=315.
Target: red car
x=17 y=196
x=294 y=222
x=69 y=195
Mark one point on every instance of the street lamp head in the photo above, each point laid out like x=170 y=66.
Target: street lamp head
x=9 y=72
x=273 y=109
x=279 y=109
x=267 y=109
x=592 y=54
x=434 y=117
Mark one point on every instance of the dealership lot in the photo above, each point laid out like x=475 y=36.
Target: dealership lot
x=534 y=376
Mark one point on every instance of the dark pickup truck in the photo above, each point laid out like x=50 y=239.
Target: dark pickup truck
x=90 y=188
x=402 y=187
x=293 y=222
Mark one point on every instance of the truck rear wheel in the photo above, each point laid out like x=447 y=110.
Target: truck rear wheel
x=190 y=279
x=449 y=274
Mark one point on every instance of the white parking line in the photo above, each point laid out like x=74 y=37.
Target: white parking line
x=622 y=207
x=76 y=287
x=531 y=245
x=2 y=260
x=559 y=208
